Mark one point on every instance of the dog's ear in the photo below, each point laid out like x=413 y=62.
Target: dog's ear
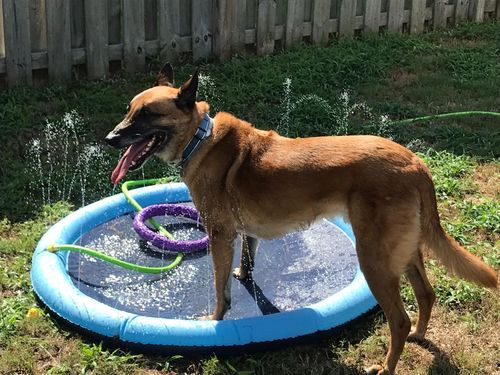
x=166 y=76
x=187 y=92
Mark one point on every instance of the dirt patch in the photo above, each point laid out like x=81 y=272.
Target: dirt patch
x=487 y=177
x=400 y=78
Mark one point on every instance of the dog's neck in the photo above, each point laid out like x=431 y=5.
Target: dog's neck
x=202 y=132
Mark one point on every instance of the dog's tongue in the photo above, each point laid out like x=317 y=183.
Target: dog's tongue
x=126 y=160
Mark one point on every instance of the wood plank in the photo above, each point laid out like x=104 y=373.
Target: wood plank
x=224 y=21
x=169 y=29
x=439 y=14
x=150 y=20
x=478 y=10
x=462 y=10
x=239 y=26
x=346 y=17
x=294 y=21
x=266 y=30
x=2 y=39
x=38 y=26
x=497 y=15
x=58 y=40
x=202 y=22
x=395 y=20
x=96 y=38
x=114 y=21
x=77 y=12
x=320 y=17
x=372 y=15
x=17 y=42
x=417 y=17
x=134 y=55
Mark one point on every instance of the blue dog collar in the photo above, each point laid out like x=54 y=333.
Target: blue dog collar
x=203 y=132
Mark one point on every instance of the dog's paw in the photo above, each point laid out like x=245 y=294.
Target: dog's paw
x=376 y=370
x=241 y=274
x=416 y=336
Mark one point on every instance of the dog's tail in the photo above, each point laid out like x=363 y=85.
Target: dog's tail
x=454 y=257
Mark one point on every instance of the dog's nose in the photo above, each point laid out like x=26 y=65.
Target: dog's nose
x=113 y=139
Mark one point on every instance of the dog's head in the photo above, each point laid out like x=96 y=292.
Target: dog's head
x=160 y=120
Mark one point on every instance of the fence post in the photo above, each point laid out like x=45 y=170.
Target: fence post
x=17 y=42
x=38 y=26
x=497 y=11
x=169 y=29
x=58 y=40
x=346 y=17
x=266 y=27
x=320 y=17
x=202 y=12
x=294 y=21
x=417 y=16
x=134 y=53
x=372 y=16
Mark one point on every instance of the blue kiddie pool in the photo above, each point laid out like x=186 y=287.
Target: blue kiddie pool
x=304 y=284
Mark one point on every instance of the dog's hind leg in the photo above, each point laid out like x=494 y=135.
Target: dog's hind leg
x=387 y=235
x=424 y=294
x=247 y=262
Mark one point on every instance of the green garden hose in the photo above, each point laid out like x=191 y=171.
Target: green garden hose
x=444 y=115
x=135 y=267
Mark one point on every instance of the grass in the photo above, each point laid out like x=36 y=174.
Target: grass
x=350 y=87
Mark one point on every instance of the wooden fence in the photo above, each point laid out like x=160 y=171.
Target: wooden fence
x=58 y=39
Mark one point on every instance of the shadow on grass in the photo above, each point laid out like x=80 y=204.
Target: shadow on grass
x=441 y=363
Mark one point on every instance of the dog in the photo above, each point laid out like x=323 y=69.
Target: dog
x=261 y=185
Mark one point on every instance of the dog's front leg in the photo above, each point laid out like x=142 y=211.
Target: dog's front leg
x=247 y=262
x=222 y=249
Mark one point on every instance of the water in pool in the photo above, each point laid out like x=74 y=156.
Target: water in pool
x=293 y=271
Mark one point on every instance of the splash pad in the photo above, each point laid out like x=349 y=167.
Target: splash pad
x=305 y=283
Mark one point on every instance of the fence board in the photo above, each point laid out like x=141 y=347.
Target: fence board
x=320 y=17
x=2 y=43
x=134 y=55
x=347 y=17
x=497 y=13
x=38 y=26
x=59 y=40
x=294 y=21
x=417 y=16
x=462 y=10
x=17 y=42
x=478 y=10
x=266 y=30
x=114 y=21
x=239 y=25
x=169 y=29
x=150 y=20
x=202 y=28
x=395 y=17
x=224 y=13
x=439 y=14
x=77 y=19
x=96 y=37
x=372 y=15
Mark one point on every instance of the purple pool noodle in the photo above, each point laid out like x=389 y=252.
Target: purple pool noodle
x=161 y=241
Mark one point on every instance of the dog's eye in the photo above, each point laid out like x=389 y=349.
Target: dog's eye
x=145 y=111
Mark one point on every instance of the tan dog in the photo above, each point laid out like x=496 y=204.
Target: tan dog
x=262 y=185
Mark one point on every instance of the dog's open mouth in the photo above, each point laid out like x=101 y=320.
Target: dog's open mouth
x=136 y=155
